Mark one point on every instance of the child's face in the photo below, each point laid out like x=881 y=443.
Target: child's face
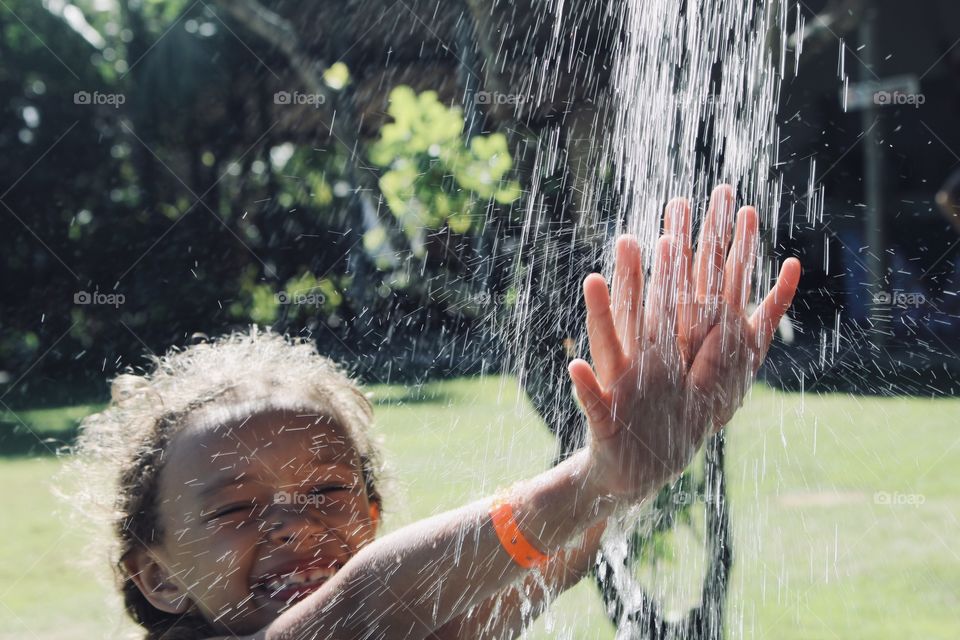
x=258 y=514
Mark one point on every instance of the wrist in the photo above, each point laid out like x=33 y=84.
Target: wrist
x=625 y=482
x=561 y=503
x=596 y=486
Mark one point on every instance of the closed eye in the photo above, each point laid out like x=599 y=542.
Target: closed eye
x=232 y=509
x=331 y=488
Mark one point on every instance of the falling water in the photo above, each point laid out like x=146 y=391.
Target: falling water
x=692 y=102
x=695 y=97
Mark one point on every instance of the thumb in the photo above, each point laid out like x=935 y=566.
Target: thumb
x=593 y=400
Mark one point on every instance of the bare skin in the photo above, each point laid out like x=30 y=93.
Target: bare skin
x=673 y=359
x=246 y=505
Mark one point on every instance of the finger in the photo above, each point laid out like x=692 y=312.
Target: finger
x=605 y=348
x=628 y=293
x=677 y=224
x=676 y=219
x=738 y=274
x=592 y=399
x=708 y=270
x=660 y=311
x=712 y=249
x=722 y=370
x=738 y=373
x=765 y=319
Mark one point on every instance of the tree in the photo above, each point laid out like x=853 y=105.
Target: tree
x=237 y=171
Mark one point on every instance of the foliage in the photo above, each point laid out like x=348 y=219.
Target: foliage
x=652 y=543
x=434 y=177
x=183 y=196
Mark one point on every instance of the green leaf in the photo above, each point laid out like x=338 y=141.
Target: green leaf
x=337 y=76
x=434 y=176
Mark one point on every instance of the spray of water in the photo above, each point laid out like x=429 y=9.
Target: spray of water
x=691 y=102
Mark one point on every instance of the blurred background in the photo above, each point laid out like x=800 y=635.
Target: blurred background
x=370 y=174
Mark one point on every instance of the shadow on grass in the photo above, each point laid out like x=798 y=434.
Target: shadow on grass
x=42 y=425
x=19 y=441
x=40 y=415
x=42 y=430
x=412 y=395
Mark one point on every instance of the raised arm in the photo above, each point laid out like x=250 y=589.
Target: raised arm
x=507 y=613
x=672 y=362
x=414 y=580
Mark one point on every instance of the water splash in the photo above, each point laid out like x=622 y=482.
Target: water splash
x=692 y=101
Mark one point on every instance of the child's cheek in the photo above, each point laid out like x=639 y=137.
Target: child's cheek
x=220 y=547
x=226 y=558
x=230 y=544
x=363 y=535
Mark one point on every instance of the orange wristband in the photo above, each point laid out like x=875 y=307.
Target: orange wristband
x=513 y=542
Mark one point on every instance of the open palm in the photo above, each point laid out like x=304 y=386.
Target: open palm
x=674 y=361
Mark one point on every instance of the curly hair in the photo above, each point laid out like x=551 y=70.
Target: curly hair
x=120 y=451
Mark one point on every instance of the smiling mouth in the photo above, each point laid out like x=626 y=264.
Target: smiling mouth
x=291 y=587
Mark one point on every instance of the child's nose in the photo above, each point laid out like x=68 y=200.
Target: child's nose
x=283 y=529
x=288 y=525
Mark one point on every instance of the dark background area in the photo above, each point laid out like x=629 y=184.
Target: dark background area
x=846 y=339
x=175 y=199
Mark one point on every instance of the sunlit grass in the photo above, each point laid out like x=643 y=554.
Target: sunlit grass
x=843 y=510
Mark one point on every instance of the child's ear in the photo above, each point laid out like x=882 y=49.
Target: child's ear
x=375 y=514
x=155 y=583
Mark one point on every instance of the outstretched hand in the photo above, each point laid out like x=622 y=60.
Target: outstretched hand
x=674 y=360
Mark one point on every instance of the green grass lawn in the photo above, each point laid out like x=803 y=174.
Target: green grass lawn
x=844 y=512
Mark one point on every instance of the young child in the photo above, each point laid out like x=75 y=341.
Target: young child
x=245 y=493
